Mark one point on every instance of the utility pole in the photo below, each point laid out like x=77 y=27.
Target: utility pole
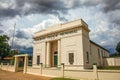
x=12 y=46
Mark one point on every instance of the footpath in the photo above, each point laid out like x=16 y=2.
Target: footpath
x=6 y=75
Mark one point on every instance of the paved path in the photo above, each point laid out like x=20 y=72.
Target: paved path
x=6 y=75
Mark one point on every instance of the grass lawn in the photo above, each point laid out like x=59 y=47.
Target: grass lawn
x=62 y=79
x=110 y=68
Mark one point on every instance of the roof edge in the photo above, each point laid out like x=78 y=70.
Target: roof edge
x=99 y=45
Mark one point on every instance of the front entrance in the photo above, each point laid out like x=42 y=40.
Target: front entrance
x=20 y=64
x=55 y=58
x=54 y=53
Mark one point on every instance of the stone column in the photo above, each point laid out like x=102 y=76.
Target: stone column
x=25 y=64
x=59 y=52
x=16 y=64
x=44 y=56
x=48 y=55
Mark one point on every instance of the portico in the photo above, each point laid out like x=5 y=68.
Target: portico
x=53 y=53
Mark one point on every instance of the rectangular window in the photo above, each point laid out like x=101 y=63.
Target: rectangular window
x=98 y=53
x=71 y=58
x=38 y=60
x=101 y=53
x=87 y=57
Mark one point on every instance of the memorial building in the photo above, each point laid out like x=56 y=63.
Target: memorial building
x=67 y=43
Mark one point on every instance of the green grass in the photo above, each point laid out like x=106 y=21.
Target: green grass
x=110 y=68
x=62 y=79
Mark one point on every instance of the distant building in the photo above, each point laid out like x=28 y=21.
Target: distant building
x=67 y=43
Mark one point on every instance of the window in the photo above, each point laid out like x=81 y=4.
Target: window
x=38 y=60
x=87 y=57
x=101 y=53
x=98 y=53
x=71 y=58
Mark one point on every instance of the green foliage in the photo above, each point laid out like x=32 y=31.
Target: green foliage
x=114 y=55
x=13 y=52
x=118 y=48
x=30 y=57
x=4 y=46
x=12 y=61
x=21 y=64
x=5 y=50
x=62 y=79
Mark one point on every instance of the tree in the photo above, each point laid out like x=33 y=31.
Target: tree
x=118 y=48
x=13 y=52
x=4 y=46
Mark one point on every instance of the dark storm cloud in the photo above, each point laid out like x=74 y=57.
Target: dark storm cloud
x=1 y=31
x=21 y=34
x=106 y=5
x=41 y=6
x=8 y=13
x=112 y=9
x=111 y=5
x=1 y=25
x=26 y=7
x=55 y=7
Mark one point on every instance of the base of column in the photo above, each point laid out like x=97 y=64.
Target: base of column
x=47 y=66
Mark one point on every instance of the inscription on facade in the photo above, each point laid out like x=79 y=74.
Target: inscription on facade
x=54 y=35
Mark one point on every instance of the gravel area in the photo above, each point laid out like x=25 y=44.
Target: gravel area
x=6 y=75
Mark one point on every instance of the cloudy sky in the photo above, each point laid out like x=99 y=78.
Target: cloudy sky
x=102 y=16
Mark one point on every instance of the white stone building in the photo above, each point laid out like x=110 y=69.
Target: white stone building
x=67 y=43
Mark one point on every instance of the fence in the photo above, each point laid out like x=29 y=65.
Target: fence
x=112 y=61
x=7 y=66
x=91 y=74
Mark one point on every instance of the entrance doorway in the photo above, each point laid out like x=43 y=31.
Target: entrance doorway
x=17 y=64
x=20 y=64
x=54 y=53
x=55 y=58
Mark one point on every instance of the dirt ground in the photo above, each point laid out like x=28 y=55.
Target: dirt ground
x=6 y=75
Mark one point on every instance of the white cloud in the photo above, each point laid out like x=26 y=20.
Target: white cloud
x=29 y=31
x=6 y=4
x=45 y=23
x=103 y=31
x=104 y=26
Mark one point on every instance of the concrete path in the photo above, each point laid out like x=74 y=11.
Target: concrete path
x=6 y=75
